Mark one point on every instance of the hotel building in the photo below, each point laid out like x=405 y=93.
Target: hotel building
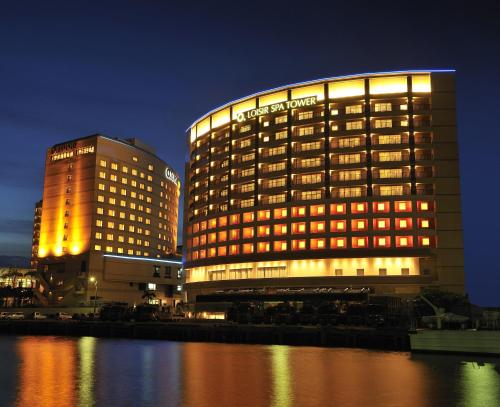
x=109 y=215
x=340 y=182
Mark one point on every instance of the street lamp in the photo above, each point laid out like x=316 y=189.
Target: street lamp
x=94 y=280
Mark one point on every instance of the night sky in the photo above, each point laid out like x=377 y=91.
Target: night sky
x=148 y=69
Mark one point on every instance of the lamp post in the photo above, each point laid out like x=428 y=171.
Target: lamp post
x=94 y=280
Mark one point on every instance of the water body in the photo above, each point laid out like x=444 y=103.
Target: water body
x=58 y=371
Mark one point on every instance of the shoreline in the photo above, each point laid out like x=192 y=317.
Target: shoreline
x=321 y=336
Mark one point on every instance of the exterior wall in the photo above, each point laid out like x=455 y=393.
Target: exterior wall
x=382 y=147
x=103 y=196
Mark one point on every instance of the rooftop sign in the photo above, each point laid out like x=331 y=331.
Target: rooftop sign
x=277 y=107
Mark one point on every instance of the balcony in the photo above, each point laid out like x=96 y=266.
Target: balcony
x=339 y=144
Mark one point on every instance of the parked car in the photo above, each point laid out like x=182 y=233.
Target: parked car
x=16 y=315
x=4 y=315
x=38 y=315
x=63 y=316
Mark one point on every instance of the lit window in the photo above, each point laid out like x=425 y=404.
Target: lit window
x=317 y=210
x=298 y=228
x=424 y=206
x=102 y=174
x=381 y=224
x=402 y=206
x=248 y=217
x=404 y=241
x=222 y=251
x=248 y=233
x=222 y=236
x=280 y=246
x=280 y=230
x=360 y=207
x=337 y=225
x=317 y=244
x=280 y=213
x=317 y=227
x=234 y=249
x=381 y=241
x=337 y=209
x=248 y=248
x=299 y=211
x=97 y=247
x=234 y=234
x=338 y=243
x=263 y=247
x=264 y=215
x=298 y=244
x=425 y=241
x=424 y=223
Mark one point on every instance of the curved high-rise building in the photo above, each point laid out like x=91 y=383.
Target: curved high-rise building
x=339 y=182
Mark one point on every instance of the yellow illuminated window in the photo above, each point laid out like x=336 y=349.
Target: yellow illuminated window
x=381 y=224
x=317 y=227
x=280 y=213
x=102 y=187
x=360 y=242
x=98 y=223
x=109 y=249
x=424 y=224
x=100 y=198
x=109 y=236
x=102 y=163
x=403 y=223
x=426 y=241
x=120 y=250
x=212 y=237
x=234 y=249
x=234 y=234
x=114 y=166
x=424 y=206
x=263 y=230
x=263 y=247
x=280 y=246
x=248 y=217
x=100 y=211
x=280 y=230
x=317 y=210
x=98 y=235
x=382 y=241
x=402 y=206
x=403 y=241
x=222 y=236
x=102 y=174
x=97 y=247
x=264 y=215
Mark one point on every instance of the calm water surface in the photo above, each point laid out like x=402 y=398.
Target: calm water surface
x=57 y=371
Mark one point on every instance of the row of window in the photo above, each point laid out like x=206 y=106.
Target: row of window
x=312 y=210
x=358 y=242
x=312 y=227
x=124 y=168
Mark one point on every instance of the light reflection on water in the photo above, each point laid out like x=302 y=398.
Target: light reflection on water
x=56 y=371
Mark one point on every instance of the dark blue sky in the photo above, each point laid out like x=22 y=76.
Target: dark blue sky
x=148 y=68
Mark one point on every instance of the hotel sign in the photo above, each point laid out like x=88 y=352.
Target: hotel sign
x=277 y=107
x=172 y=176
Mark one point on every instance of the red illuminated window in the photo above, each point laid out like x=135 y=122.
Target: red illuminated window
x=263 y=230
x=298 y=244
x=195 y=255
x=212 y=237
x=263 y=247
x=212 y=252
x=426 y=241
x=317 y=244
x=203 y=225
x=381 y=241
x=317 y=210
x=222 y=236
x=247 y=248
x=222 y=221
x=403 y=223
x=359 y=207
x=424 y=206
x=234 y=219
x=222 y=251
x=264 y=215
x=317 y=227
x=338 y=225
x=280 y=213
x=279 y=245
x=338 y=209
x=247 y=217
x=402 y=206
x=298 y=228
x=234 y=249
x=196 y=241
x=381 y=224
x=424 y=223
x=196 y=228
x=298 y=211
x=203 y=254
x=338 y=242
x=404 y=241
x=359 y=224
x=203 y=240
x=381 y=207
x=212 y=223
x=234 y=234
x=280 y=229
x=248 y=233
x=359 y=242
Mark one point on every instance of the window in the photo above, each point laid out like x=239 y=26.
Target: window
x=391 y=173
x=381 y=241
x=298 y=244
x=359 y=242
x=263 y=247
x=245 y=143
x=384 y=156
x=309 y=162
x=352 y=175
x=338 y=225
x=306 y=131
x=383 y=107
x=317 y=227
x=263 y=230
x=317 y=210
x=276 y=182
x=349 y=142
x=280 y=230
x=388 y=190
x=281 y=135
x=360 y=272
x=309 y=195
x=280 y=213
x=247 y=248
x=281 y=119
x=381 y=224
x=349 y=192
x=382 y=123
x=382 y=272
x=298 y=228
x=247 y=187
x=349 y=158
x=338 y=272
x=390 y=139
x=245 y=128
x=274 y=199
x=405 y=271
x=359 y=224
x=276 y=167
x=338 y=242
x=247 y=172
x=102 y=174
x=354 y=125
x=354 y=109
x=424 y=223
x=248 y=157
x=315 y=145
x=338 y=209
x=404 y=241
x=309 y=178
x=246 y=203
x=275 y=151
x=402 y=206
x=317 y=244
x=248 y=233
x=279 y=246
x=298 y=211
x=305 y=115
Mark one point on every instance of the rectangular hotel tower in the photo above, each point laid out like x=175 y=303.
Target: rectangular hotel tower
x=110 y=212
x=341 y=182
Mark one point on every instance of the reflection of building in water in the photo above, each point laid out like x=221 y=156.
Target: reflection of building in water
x=47 y=372
x=226 y=375
x=480 y=384
x=86 y=353
x=282 y=391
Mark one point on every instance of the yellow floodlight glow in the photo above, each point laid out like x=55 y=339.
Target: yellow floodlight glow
x=421 y=84
x=203 y=127
x=343 y=89
x=273 y=98
x=220 y=118
x=243 y=107
x=388 y=84
x=307 y=91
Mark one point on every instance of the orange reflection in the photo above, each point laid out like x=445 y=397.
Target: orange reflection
x=46 y=372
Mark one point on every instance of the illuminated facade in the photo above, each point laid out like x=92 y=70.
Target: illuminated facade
x=109 y=211
x=339 y=182
x=37 y=220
